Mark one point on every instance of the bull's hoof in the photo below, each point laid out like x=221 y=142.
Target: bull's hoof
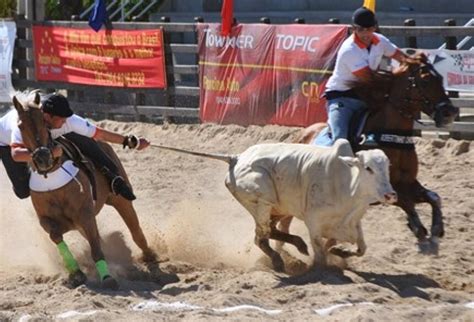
x=302 y=247
x=278 y=264
x=109 y=283
x=76 y=279
x=341 y=252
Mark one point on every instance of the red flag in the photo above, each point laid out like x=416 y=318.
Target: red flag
x=227 y=16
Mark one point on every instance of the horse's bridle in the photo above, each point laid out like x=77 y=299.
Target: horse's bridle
x=42 y=152
x=414 y=84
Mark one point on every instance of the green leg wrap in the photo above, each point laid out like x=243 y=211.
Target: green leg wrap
x=69 y=261
x=102 y=268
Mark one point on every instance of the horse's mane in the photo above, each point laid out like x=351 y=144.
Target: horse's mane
x=374 y=89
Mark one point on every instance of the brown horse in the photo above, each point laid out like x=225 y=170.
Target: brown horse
x=394 y=102
x=71 y=206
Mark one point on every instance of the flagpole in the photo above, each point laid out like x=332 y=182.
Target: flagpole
x=370 y=4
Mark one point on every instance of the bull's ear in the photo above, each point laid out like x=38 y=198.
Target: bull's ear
x=17 y=105
x=350 y=161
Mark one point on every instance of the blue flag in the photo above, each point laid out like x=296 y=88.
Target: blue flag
x=98 y=15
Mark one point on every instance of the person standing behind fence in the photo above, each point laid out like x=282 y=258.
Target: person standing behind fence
x=18 y=172
x=359 y=56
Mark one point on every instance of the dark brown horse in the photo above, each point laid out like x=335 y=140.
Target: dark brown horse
x=71 y=205
x=395 y=100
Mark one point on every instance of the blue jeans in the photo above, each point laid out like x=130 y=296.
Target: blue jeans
x=340 y=111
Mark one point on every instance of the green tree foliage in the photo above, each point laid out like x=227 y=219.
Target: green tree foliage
x=7 y=8
x=64 y=9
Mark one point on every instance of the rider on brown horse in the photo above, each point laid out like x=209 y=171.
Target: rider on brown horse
x=358 y=57
x=61 y=120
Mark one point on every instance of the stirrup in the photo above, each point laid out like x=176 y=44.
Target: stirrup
x=120 y=187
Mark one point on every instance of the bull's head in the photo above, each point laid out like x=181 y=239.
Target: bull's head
x=374 y=176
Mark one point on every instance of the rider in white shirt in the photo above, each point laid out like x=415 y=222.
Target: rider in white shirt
x=359 y=56
x=61 y=120
x=18 y=172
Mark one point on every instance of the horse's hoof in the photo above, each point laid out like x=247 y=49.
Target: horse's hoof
x=429 y=246
x=110 y=283
x=434 y=242
x=437 y=231
x=76 y=279
x=165 y=279
x=421 y=233
x=149 y=256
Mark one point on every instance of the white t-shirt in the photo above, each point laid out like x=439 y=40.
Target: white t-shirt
x=8 y=122
x=354 y=56
x=73 y=123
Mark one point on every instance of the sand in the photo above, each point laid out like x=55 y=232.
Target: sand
x=205 y=238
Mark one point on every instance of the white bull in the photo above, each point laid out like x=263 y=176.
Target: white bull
x=330 y=189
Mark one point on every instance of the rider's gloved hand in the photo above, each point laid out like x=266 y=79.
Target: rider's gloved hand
x=133 y=142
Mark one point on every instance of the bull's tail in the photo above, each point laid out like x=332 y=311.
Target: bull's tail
x=230 y=159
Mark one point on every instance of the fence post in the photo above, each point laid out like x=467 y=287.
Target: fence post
x=196 y=21
x=20 y=53
x=300 y=20
x=410 y=41
x=265 y=20
x=451 y=44
x=334 y=20
x=170 y=80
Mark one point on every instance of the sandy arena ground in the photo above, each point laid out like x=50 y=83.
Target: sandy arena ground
x=191 y=219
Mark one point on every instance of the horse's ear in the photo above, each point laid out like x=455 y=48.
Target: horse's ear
x=37 y=98
x=17 y=105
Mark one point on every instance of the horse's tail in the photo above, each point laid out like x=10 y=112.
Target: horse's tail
x=230 y=159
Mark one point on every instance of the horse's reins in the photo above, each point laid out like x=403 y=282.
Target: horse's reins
x=413 y=79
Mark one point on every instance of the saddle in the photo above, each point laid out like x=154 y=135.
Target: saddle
x=74 y=154
x=361 y=140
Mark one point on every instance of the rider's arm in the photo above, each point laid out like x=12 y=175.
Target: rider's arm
x=399 y=56
x=22 y=154
x=112 y=137
x=82 y=126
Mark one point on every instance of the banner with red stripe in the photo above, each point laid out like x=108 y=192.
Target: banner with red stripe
x=121 y=58
x=266 y=74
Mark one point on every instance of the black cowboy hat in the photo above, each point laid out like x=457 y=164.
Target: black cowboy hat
x=57 y=105
x=364 y=17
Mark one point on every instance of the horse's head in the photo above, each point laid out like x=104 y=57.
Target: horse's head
x=35 y=135
x=419 y=84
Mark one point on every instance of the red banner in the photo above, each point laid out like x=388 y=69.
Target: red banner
x=266 y=74
x=121 y=58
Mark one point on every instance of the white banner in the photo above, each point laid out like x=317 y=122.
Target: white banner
x=7 y=44
x=456 y=67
